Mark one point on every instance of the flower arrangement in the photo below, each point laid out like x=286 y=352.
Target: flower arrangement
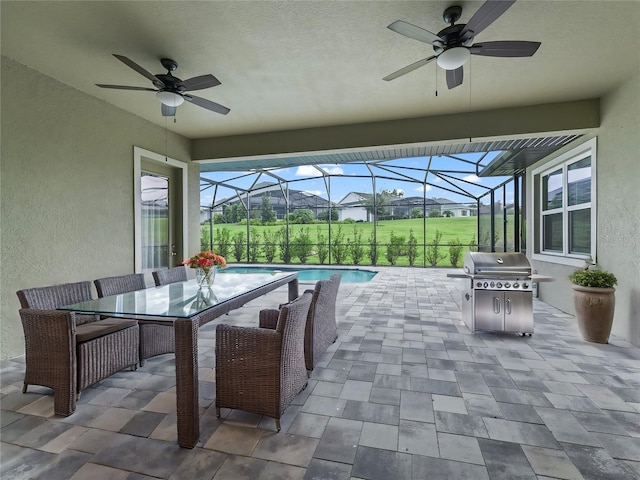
x=205 y=260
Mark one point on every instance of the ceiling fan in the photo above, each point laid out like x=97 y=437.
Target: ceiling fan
x=454 y=45
x=171 y=90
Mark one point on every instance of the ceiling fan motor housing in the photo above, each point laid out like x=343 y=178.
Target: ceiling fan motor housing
x=451 y=38
x=171 y=83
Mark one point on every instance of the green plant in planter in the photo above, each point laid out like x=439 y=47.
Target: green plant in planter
x=594 y=303
x=593 y=278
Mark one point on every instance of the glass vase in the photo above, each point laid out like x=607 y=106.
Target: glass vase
x=205 y=277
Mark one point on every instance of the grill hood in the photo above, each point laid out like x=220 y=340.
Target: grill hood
x=503 y=264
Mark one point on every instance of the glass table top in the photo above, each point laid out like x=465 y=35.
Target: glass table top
x=184 y=299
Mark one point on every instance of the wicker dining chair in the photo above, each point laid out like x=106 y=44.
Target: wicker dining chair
x=321 y=330
x=120 y=284
x=166 y=276
x=154 y=339
x=68 y=352
x=261 y=370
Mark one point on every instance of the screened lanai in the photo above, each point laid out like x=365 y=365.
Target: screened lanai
x=402 y=205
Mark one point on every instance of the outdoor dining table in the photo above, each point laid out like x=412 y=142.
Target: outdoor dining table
x=187 y=307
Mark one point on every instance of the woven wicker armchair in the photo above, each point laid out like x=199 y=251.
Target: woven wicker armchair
x=154 y=339
x=321 y=330
x=68 y=352
x=260 y=370
x=170 y=275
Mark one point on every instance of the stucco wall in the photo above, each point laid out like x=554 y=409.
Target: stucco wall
x=67 y=188
x=618 y=197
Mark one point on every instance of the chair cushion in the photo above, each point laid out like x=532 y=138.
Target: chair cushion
x=82 y=318
x=91 y=330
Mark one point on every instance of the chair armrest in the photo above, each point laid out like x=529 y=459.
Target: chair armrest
x=45 y=328
x=268 y=318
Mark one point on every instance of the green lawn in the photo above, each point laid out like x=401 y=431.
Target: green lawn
x=453 y=228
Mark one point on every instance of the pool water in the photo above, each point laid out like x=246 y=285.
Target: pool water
x=349 y=275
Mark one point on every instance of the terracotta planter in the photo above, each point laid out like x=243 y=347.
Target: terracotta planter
x=594 y=311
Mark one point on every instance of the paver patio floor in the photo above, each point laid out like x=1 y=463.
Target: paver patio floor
x=406 y=392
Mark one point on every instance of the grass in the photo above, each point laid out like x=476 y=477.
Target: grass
x=462 y=229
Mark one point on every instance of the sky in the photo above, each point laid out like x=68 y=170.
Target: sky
x=356 y=177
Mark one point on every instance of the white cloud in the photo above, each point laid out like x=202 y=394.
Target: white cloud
x=314 y=192
x=423 y=188
x=311 y=171
x=307 y=171
x=333 y=170
x=472 y=178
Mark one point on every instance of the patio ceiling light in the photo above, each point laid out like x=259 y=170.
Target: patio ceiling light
x=170 y=99
x=453 y=58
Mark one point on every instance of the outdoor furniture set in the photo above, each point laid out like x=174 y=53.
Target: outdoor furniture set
x=257 y=369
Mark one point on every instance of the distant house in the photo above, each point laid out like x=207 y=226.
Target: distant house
x=457 y=209
x=402 y=207
x=207 y=213
x=298 y=199
x=353 y=205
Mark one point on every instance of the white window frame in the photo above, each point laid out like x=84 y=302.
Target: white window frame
x=587 y=149
x=138 y=155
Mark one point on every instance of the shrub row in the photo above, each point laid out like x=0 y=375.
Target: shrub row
x=299 y=246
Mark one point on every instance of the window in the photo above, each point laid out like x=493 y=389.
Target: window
x=566 y=206
x=154 y=203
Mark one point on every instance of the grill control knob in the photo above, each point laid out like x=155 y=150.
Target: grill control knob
x=507 y=284
x=516 y=285
x=492 y=284
x=479 y=284
x=486 y=285
x=525 y=285
x=499 y=285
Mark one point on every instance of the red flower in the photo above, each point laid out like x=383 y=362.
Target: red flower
x=205 y=260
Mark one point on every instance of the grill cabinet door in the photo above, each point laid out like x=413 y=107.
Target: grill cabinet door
x=489 y=310
x=518 y=315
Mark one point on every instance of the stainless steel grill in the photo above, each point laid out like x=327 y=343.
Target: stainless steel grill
x=498 y=295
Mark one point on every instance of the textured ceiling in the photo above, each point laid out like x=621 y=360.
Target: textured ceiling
x=291 y=65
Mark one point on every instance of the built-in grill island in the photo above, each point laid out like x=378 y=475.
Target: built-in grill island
x=498 y=292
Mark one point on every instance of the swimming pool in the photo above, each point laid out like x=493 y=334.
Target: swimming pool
x=349 y=275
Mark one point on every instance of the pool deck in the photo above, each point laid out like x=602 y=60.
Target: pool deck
x=406 y=392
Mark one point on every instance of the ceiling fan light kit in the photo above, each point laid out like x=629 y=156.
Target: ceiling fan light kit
x=453 y=45
x=170 y=99
x=453 y=58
